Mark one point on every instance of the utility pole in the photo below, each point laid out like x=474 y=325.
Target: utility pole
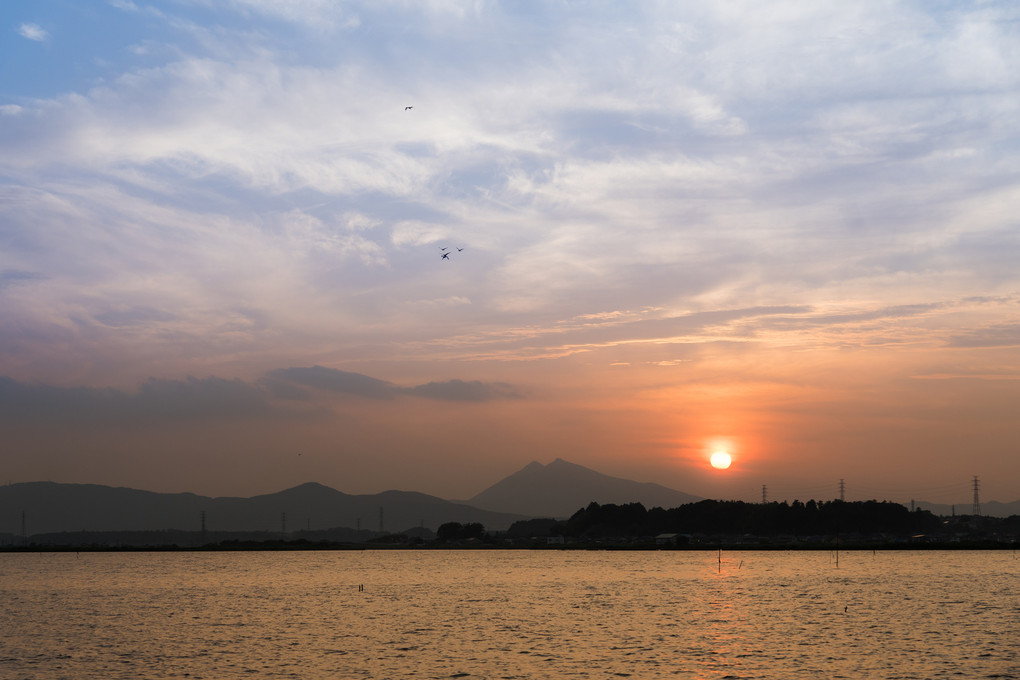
x=203 y=528
x=977 y=501
x=764 y=495
x=283 y=523
x=842 y=490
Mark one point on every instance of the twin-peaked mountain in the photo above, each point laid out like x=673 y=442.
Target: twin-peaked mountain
x=560 y=488
x=555 y=490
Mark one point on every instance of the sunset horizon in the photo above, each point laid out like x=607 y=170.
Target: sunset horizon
x=727 y=248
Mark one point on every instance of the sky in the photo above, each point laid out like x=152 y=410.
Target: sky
x=781 y=229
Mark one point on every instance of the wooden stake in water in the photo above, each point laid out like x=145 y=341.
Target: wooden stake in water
x=720 y=560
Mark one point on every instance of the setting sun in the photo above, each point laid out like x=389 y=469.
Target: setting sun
x=720 y=460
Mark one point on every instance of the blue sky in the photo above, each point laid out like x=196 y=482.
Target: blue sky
x=787 y=228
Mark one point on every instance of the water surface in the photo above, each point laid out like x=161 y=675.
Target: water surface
x=510 y=614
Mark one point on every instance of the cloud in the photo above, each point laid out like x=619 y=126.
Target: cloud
x=16 y=277
x=283 y=381
x=156 y=400
x=201 y=398
x=343 y=237
x=315 y=14
x=590 y=333
x=121 y=316
x=459 y=390
x=33 y=32
x=1000 y=335
x=676 y=157
x=160 y=400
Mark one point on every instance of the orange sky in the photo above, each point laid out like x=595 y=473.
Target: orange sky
x=670 y=228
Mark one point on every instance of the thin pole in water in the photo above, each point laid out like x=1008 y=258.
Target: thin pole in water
x=720 y=560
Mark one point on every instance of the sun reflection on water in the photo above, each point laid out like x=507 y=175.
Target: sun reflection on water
x=509 y=614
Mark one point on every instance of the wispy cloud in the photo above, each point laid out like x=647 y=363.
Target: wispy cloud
x=33 y=32
x=283 y=381
x=1000 y=335
x=319 y=15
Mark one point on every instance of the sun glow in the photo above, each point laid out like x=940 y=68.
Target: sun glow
x=720 y=460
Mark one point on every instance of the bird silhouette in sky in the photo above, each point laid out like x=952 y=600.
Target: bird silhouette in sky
x=408 y=108
x=445 y=252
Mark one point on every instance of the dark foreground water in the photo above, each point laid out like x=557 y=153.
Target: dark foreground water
x=510 y=614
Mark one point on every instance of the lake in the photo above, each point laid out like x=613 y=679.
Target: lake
x=510 y=614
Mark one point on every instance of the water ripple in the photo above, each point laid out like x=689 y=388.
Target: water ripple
x=509 y=615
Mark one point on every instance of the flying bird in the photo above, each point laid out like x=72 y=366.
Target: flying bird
x=446 y=256
x=408 y=108
x=460 y=250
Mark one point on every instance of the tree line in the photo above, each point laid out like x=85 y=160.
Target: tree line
x=736 y=518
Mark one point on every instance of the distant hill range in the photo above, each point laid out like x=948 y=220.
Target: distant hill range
x=560 y=489
x=988 y=509
x=556 y=490
x=50 y=507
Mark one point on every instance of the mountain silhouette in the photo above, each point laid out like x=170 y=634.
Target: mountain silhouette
x=50 y=507
x=560 y=489
x=988 y=508
x=556 y=490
